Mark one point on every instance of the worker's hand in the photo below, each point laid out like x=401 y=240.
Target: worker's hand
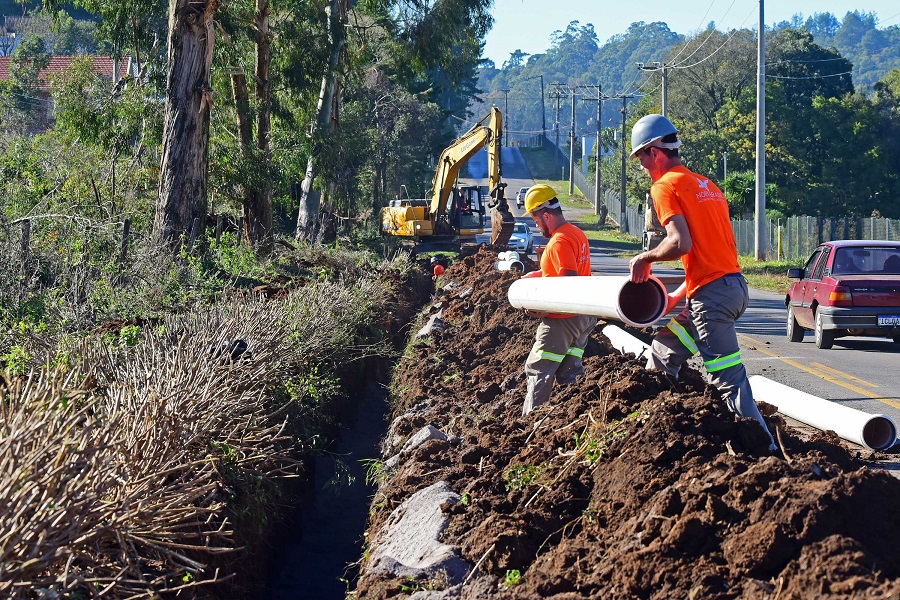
x=532 y=274
x=640 y=268
x=537 y=314
x=675 y=297
x=671 y=301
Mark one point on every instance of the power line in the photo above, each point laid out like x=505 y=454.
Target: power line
x=810 y=77
x=889 y=19
x=709 y=36
x=714 y=52
x=778 y=62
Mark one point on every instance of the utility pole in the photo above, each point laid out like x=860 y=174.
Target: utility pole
x=506 y=116
x=623 y=223
x=599 y=100
x=543 y=111
x=724 y=166
x=760 y=224
x=658 y=66
x=559 y=92
x=572 y=147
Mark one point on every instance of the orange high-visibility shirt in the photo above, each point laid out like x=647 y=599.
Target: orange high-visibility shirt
x=713 y=252
x=567 y=250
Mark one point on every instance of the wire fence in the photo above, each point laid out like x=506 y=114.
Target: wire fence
x=795 y=238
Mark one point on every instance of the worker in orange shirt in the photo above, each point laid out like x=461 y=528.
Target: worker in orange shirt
x=437 y=268
x=698 y=231
x=560 y=339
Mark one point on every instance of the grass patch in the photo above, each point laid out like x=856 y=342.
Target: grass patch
x=541 y=164
x=768 y=275
x=545 y=169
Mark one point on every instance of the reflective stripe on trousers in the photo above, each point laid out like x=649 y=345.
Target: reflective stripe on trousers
x=556 y=356
x=707 y=326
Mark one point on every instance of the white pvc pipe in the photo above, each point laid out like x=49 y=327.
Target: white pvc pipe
x=508 y=255
x=605 y=296
x=876 y=432
x=509 y=265
x=626 y=343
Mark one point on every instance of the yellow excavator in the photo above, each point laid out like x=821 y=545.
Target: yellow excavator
x=455 y=214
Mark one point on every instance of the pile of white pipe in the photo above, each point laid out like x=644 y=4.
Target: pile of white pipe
x=509 y=261
x=613 y=297
x=876 y=432
x=626 y=343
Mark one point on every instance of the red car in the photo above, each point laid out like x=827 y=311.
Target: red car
x=848 y=287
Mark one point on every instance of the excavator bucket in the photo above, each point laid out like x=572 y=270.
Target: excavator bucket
x=502 y=220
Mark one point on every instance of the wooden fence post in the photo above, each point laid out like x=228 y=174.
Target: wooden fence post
x=194 y=227
x=126 y=231
x=26 y=243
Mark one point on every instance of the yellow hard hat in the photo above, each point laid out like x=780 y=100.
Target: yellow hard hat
x=540 y=196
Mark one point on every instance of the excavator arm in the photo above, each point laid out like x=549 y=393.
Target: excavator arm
x=454 y=157
x=502 y=220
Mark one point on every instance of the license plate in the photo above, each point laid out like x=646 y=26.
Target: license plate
x=889 y=320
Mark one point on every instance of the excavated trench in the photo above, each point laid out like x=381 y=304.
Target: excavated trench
x=625 y=485
x=319 y=553
x=316 y=555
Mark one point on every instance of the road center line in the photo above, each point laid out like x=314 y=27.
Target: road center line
x=758 y=346
x=842 y=374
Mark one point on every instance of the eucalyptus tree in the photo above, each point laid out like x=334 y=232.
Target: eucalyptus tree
x=181 y=193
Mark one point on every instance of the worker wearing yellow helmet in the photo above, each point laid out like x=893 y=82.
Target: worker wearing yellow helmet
x=560 y=339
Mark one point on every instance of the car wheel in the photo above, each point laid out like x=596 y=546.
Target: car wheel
x=824 y=337
x=794 y=331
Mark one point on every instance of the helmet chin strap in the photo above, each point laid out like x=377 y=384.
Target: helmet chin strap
x=668 y=146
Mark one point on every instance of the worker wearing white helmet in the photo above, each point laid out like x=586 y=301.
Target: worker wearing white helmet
x=698 y=231
x=560 y=339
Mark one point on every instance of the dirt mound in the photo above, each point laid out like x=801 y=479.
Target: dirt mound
x=626 y=484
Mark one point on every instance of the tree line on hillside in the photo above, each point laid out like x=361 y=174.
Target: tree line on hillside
x=832 y=106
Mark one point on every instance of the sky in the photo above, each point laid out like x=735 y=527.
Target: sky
x=528 y=24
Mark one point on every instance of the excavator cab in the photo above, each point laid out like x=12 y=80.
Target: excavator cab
x=467 y=211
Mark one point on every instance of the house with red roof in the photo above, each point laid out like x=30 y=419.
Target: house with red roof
x=105 y=66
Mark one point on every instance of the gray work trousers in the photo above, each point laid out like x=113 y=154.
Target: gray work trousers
x=707 y=326
x=556 y=356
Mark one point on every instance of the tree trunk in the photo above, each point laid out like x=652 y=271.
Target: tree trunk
x=257 y=201
x=185 y=144
x=259 y=215
x=245 y=139
x=310 y=199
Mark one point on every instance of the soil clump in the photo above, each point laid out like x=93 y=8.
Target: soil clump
x=627 y=484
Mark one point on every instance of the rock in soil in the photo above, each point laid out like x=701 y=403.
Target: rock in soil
x=627 y=484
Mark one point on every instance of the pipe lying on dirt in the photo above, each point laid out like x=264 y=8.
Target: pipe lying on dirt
x=605 y=296
x=876 y=432
x=624 y=342
x=509 y=265
x=509 y=261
